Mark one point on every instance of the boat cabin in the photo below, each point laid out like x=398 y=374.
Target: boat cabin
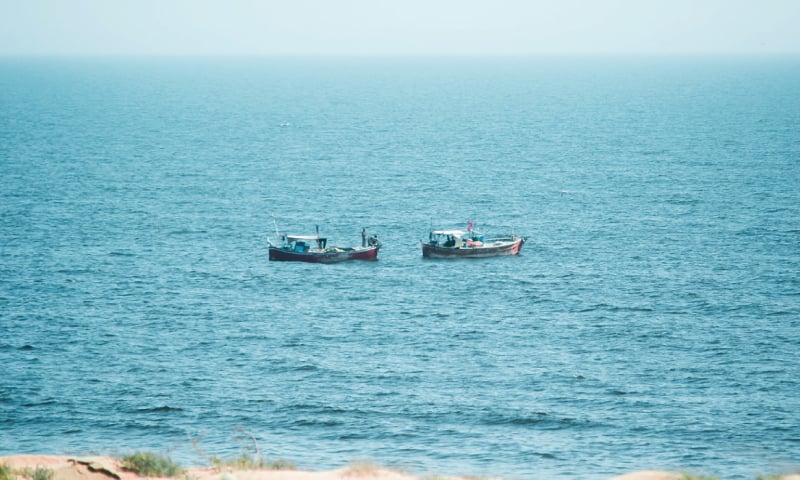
x=455 y=239
x=303 y=243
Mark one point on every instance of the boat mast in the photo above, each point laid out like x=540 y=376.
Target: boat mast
x=274 y=222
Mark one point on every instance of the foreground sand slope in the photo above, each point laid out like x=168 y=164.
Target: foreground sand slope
x=108 y=468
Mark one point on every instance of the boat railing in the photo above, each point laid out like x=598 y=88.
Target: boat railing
x=499 y=238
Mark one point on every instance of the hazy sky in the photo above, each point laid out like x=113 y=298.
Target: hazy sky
x=377 y=27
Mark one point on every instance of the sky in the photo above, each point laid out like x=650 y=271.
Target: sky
x=398 y=27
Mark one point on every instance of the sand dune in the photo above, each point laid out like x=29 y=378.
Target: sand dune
x=108 y=468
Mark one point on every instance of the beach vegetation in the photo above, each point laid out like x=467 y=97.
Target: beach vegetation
x=38 y=473
x=240 y=463
x=280 y=464
x=250 y=458
x=247 y=462
x=151 y=465
x=5 y=472
x=42 y=473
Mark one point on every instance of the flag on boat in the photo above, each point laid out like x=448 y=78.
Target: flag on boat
x=469 y=225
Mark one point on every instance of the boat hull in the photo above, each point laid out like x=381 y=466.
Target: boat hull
x=495 y=249
x=330 y=255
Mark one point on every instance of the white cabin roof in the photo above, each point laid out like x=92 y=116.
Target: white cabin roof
x=455 y=233
x=294 y=238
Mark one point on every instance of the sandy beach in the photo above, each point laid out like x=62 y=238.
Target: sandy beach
x=105 y=468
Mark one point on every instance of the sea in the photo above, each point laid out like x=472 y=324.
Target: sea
x=651 y=321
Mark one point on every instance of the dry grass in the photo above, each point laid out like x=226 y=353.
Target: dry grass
x=5 y=472
x=38 y=473
x=246 y=462
x=151 y=465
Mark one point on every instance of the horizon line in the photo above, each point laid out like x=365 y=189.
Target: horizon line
x=403 y=55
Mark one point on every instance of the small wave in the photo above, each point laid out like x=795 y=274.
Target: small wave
x=320 y=409
x=529 y=280
x=548 y=456
x=353 y=436
x=73 y=271
x=781 y=313
x=595 y=307
x=148 y=427
x=116 y=253
x=469 y=334
x=538 y=420
x=163 y=408
x=358 y=298
x=306 y=422
x=43 y=403
x=777 y=210
x=683 y=200
x=614 y=308
x=532 y=419
x=186 y=231
x=306 y=368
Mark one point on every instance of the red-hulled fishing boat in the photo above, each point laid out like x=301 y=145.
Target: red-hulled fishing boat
x=315 y=249
x=469 y=244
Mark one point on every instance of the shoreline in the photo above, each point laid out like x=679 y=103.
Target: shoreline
x=109 y=468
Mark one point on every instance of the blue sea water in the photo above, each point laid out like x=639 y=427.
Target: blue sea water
x=651 y=321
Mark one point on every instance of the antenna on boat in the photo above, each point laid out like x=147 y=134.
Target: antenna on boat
x=274 y=222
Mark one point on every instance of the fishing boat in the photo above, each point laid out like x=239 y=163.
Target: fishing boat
x=315 y=249
x=469 y=244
